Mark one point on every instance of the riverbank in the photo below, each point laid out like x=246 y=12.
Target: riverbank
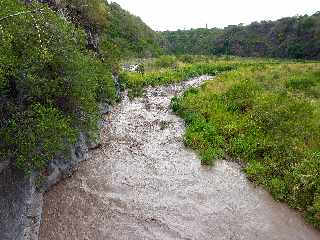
x=143 y=183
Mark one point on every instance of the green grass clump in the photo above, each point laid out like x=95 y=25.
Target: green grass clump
x=166 y=61
x=268 y=116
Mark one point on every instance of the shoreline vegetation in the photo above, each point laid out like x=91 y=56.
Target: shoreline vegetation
x=264 y=112
x=57 y=66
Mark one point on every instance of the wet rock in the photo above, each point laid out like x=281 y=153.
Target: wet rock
x=92 y=40
x=20 y=205
x=105 y=108
x=4 y=165
x=21 y=202
x=62 y=166
x=94 y=143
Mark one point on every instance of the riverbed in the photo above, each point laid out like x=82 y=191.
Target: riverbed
x=143 y=183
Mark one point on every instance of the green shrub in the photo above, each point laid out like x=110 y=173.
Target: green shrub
x=50 y=85
x=36 y=135
x=256 y=171
x=313 y=214
x=278 y=188
x=307 y=83
x=240 y=97
x=166 y=62
x=186 y=58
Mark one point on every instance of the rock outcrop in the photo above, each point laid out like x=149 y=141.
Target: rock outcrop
x=21 y=195
x=20 y=205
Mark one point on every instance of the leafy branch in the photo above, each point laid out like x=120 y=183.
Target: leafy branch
x=21 y=13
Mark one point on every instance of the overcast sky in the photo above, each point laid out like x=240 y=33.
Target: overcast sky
x=163 y=15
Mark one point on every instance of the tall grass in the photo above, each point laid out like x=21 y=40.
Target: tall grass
x=268 y=116
x=135 y=82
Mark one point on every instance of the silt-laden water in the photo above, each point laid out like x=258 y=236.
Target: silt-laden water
x=143 y=183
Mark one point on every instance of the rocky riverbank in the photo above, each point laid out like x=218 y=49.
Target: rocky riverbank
x=21 y=198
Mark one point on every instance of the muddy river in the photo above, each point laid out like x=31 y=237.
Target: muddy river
x=144 y=184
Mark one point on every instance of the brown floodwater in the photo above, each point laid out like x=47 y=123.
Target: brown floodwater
x=143 y=183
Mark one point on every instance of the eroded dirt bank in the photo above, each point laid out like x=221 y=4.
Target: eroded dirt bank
x=144 y=184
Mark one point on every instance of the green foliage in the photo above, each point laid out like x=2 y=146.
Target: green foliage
x=278 y=188
x=130 y=35
x=295 y=37
x=90 y=14
x=204 y=138
x=308 y=84
x=265 y=116
x=36 y=135
x=166 y=62
x=50 y=85
x=186 y=58
x=239 y=98
x=135 y=82
x=256 y=171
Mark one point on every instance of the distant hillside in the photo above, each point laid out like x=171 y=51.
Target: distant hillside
x=130 y=34
x=292 y=37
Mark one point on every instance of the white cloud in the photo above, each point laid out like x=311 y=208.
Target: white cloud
x=179 y=14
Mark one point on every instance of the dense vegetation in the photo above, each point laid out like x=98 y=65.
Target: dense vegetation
x=50 y=84
x=169 y=69
x=130 y=35
x=56 y=65
x=292 y=37
x=267 y=116
x=90 y=15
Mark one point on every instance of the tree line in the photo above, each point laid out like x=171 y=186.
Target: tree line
x=291 y=37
